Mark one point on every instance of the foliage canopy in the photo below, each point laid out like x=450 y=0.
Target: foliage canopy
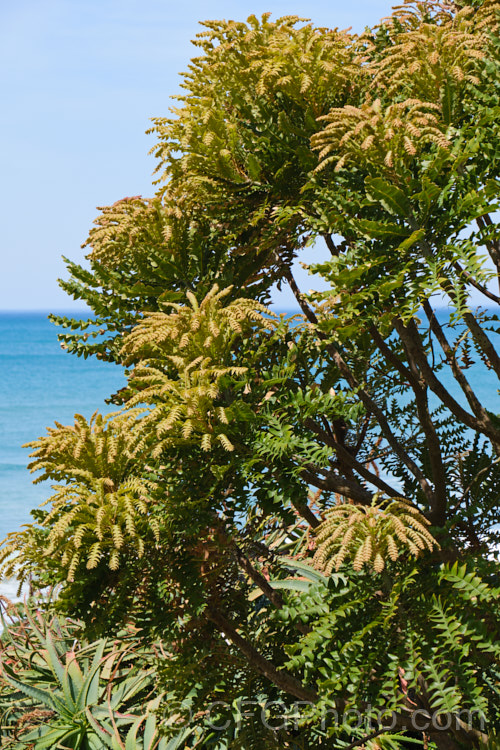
x=297 y=512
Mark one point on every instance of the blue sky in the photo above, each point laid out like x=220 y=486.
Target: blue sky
x=81 y=78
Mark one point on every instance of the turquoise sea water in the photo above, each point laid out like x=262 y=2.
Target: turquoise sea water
x=41 y=383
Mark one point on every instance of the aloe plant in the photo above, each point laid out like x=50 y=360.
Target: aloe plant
x=57 y=692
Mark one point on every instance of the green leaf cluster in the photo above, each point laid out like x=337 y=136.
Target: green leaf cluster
x=250 y=447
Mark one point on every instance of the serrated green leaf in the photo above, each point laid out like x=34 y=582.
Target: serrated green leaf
x=392 y=198
x=379 y=230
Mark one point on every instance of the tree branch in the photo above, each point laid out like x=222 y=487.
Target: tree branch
x=353 y=463
x=471 y=280
x=311 y=317
x=493 y=249
x=392 y=358
x=366 y=738
x=481 y=422
x=483 y=341
x=274 y=596
x=282 y=679
x=367 y=400
x=331 y=483
x=302 y=509
x=306 y=513
x=334 y=250
x=372 y=406
x=438 y=508
x=478 y=334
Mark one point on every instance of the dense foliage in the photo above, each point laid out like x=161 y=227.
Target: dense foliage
x=298 y=516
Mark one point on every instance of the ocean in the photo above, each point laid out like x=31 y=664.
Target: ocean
x=41 y=383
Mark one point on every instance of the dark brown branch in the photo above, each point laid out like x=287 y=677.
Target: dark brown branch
x=362 y=436
x=478 y=334
x=279 y=677
x=367 y=400
x=437 y=514
x=311 y=317
x=483 y=341
x=373 y=407
x=362 y=740
x=468 y=734
x=334 y=250
x=493 y=248
x=354 y=464
x=302 y=509
x=471 y=484
x=392 y=358
x=345 y=487
x=481 y=422
x=272 y=594
x=471 y=280
x=306 y=513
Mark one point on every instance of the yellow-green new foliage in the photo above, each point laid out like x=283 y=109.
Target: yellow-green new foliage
x=101 y=511
x=371 y=534
x=435 y=51
x=426 y=57
x=239 y=416
x=131 y=225
x=106 y=447
x=211 y=147
x=182 y=358
x=390 y=135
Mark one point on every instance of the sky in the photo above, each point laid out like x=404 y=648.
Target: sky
x=80 y=81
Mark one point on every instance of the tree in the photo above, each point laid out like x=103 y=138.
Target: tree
x=302 y=511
